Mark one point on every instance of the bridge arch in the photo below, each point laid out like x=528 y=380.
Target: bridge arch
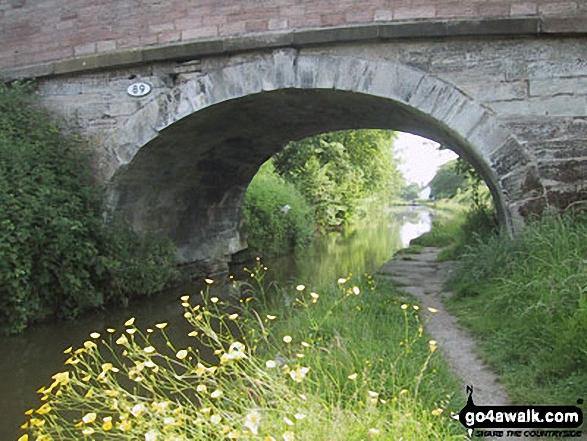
x=181 y=164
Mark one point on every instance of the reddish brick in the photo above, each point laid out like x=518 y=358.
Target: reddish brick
x=128 y=41
x=526 y=8
x=277 y=23
x=403 y=13
x=495 y=10
x=257 y=26
x=84 y=49
x=168 y=37
x=320 y=8
x=200 y=32
x=304 y=22
x=148 y=39
x=383 y=15
x=233 y=28
x=450 y=10
x=259 y=14
x=359 y=17
x=558 y=8
x=161 y=27
x=213 y=20
x=332 y=19
x=292 y=11
x=188 y=23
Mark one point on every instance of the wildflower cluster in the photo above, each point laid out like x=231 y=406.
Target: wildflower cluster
x=272 y=375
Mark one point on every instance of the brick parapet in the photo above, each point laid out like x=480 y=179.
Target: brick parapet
x=41 y=31
x=89 y=60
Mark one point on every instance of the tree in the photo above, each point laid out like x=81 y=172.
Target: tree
x=447 y=181
x=334 y=171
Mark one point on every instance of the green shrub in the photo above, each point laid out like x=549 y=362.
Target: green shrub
x=270 y=229
x=57 y=257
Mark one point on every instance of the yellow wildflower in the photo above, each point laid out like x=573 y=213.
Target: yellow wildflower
x=299 y=374
x=89 y=418
x=181 y=354
x=252 y=420
x=107 y=423
x=216 y=394
x=90 y=345
x=138 y=410
x=45 y=408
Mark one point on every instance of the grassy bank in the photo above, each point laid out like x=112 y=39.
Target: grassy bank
x=524 y=298
x=457 y=226
x=349 y=362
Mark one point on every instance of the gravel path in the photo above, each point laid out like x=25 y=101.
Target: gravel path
x=423 y=277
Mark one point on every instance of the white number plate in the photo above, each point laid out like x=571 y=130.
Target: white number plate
x=139 y=89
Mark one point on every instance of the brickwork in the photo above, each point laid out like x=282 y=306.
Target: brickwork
x=37 y=31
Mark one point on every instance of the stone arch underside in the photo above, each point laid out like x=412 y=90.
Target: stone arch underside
x=200 y=144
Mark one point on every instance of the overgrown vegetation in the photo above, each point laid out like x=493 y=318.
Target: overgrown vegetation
x=319 y=183
x=525 y=298
x=278 y=220
x=57 y=256
x=350 y=362
x=464 y=215
x=336 y=171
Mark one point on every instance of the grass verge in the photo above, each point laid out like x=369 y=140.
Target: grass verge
x=346 y=363
x=525 y=300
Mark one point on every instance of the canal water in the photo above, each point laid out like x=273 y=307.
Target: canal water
x=27 y=361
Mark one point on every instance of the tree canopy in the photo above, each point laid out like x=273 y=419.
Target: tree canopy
x=334 y=171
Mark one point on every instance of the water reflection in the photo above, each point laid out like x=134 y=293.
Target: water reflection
x=410 y=230
x=28 y=361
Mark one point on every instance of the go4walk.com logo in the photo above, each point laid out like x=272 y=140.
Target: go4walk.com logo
x=520 y=421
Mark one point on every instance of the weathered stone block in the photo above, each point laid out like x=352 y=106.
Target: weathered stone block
x=508 y=158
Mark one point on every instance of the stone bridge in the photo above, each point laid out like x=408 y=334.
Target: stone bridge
x=501 y=82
